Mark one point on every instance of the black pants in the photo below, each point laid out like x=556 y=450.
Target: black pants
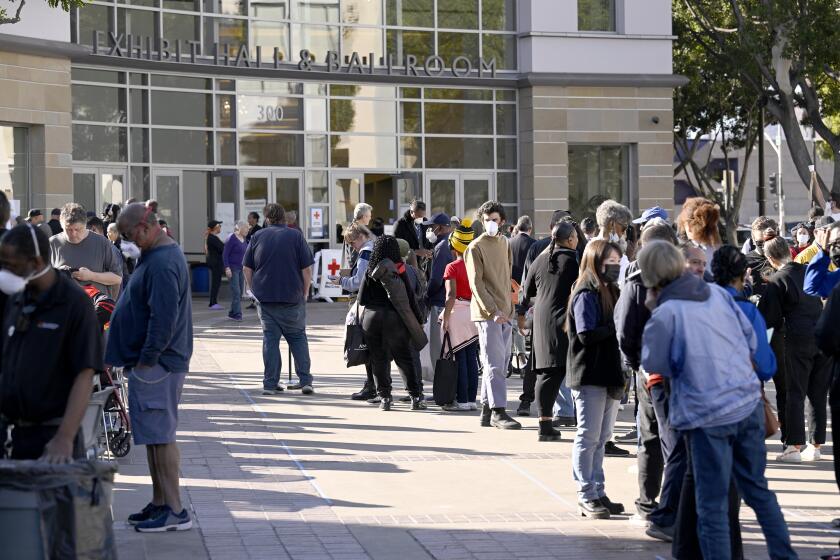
x=29 y=442
x=529 y=384
x=388 y=339
x=777 y=343
x=548 y=382
x=216 y=271
x=808 y=376
x=686 y=544
x=834 y=404
x=649 y=456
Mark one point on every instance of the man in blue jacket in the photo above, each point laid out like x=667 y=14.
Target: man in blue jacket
x=818 y=280
x=437 y=232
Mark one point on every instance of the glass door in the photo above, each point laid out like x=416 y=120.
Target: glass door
x=255 y=192
x=166 y=189
x=111 y=187
x=93 y=188
x=442 y=194
x=476 y=189
x=346 y=194
x=287 y=193
x=84 y=188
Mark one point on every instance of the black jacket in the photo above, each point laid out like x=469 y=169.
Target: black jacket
x=760 y=271
x=552 y=290
x=519 y=246
x=594 y=357
x=827 y=332
x=215 y=248
x=630 y=316
x=55 y=226
x=534 y=251
x=405 y=230
x=785 y=303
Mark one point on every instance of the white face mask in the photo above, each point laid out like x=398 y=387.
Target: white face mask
x=803 y=238
x=11 y=283
x=418 y=221
x=130 y=250
x=620 y=241
x=491 y=228
x=430 y=236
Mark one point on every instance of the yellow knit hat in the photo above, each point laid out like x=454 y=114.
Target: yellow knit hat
x=462 y=236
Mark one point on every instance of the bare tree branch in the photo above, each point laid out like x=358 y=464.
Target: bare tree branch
x=15 y=19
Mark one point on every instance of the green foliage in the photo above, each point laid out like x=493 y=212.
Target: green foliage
x=7 y=17
x=823 y=148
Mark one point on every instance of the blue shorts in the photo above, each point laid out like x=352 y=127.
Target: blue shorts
x=153 y=397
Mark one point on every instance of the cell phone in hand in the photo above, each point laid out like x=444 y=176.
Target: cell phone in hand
x=344 y=272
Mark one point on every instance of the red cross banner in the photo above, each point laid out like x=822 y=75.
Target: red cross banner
x=329 y=266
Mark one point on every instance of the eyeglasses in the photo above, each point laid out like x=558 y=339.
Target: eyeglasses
x=125 y=236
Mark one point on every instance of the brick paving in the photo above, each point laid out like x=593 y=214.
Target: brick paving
x=322 y=477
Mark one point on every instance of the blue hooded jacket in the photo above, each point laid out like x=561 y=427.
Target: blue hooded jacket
x=764 y=359
x=699 y=338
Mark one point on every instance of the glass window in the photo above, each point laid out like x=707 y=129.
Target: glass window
x=84 y=188
x=269 y=9
x=269 y=86
x=505 y=95
x=227 y=111
x=181 y=27
x=287 y=193
x=224 y=31
x=506 y=188
x=266 y=149
x=99 y=103
x=458 y=14
x=365 y=12
x=226 y=7
x=316 y=155
x=401 y=43
x=271 y=112
x=499 y=15
x=506 y=153
x=410 y=13
x=451 y=45
x=90 y=75
x=14 y=165
x=226 y=148
x=459 y=118
x=443 y=195
x=361 y=152
x=99 y=143
x=361 y=115
x=181 y=82
x=459 y=94
x=181 y=108
x=316 y=10
x=184 y=5
x=596 y=173
x=269 y=35
x=226 y=85
x=137 y=22
x=596 y=15
x=317 y=39
x=352 y=90
x=139 y=187
x=506 y=120
x=182 y=146
x=502 y=48
x=476 y=193
x=139 y=79
x=93 y=18
x=410 y=93
x=311 y=88
x=410 y=117
x=147 y=3
x=139 y=145
x=362 y=40
x=316 y=114
x=411 y=152
x=317 y=190
x=459 y=153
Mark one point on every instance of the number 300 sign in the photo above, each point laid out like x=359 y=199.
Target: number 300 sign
x=269 y=113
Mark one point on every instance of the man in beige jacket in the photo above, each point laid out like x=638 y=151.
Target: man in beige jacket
x=489 y=262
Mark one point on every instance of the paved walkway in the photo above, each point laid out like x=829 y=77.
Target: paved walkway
x=322 y=477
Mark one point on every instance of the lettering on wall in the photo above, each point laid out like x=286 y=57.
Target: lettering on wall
x=124 y=45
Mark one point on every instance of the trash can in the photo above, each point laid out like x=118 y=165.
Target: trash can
x=200 y=279
x=57 y=511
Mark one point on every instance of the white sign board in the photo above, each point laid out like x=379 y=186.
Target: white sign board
x=329 y=266
x=226 y=213
x=316 y=222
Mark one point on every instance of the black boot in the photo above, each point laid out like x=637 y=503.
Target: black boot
x=613 y=507
x=500 y=419
x=547 y=432
x=593 y=509
x=366 y=393
x=385 y=404
x=485 y=415
x=418 y=403
x=524 y=408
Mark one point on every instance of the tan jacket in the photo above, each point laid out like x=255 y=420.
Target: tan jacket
x=489 y=262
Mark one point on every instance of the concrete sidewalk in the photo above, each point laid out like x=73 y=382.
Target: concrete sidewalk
x=323 y=477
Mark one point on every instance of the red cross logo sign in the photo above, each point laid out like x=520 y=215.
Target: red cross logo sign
x=317 y=216
x=333 y=267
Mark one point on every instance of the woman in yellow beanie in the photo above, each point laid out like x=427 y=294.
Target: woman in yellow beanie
x=462 y=332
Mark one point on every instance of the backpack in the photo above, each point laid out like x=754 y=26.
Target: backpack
x=417 y=293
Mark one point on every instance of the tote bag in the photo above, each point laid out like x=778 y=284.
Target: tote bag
x=444 y=387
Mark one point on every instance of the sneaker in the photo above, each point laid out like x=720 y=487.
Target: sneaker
x=456 y=407
x=612 y=450
x=406 y=398
x=375 y=400
x=524 y=409
x=630 y=437
x=486 y=413
x=237 y=318
x=385 y=403
x=473 y=406
x=144 y=514
x=789 y=454
x=614 y=508
x=665 y=534
x=564 y=422
x=274 y=391
x=640 y=520
x=593 y=509
x=811 y=453
x=166 y=520
x=499 y=418
x=418 y=403
x=216 y=307
x=307 y=390
x=295 y=386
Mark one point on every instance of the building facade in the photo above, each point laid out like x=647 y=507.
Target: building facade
x=216 y=107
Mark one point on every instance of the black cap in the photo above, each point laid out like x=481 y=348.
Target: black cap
x=213 y=223
x=34 y=212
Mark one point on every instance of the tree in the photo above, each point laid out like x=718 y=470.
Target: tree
x=787 y=54
x=714 y=109
x=65 y=5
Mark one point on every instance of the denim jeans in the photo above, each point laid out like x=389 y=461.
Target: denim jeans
x=676 y=460
x=565 y=404
x=495 y=356
x=237 y=286
x=467 y=359
x=737 y=449
x=289 y=321
x=596 y=414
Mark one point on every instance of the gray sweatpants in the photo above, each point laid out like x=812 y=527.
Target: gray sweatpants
x=495 y=341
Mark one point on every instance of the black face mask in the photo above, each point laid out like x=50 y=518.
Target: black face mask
x=611 y=272
x=834 y=252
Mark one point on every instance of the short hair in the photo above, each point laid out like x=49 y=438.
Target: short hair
x=356 y=230
x=556 y=216
x=20 y=237
x=490 y=207
x=658 y=232
x=524 y=223
x=835 y=196
x=763 y=222
x=417 y=204
x=728 y=264
x=239 y=224
x=95 y=222
x=611 y=211
x=275 y=213
x=55 y=212
x=254 y=215
x=588 y=225
x=361 y=209
x=291 y=217
x=5 y=209
x=660 y=263
x=72 y=213
x=777 y=249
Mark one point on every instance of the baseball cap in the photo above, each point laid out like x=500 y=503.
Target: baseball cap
x=651 y=213
x=439 y=219
x=213 y=223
